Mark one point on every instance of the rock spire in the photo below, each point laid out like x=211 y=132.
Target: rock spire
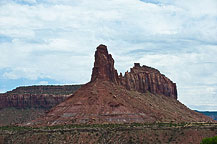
x=140 y=78
x=104 y=66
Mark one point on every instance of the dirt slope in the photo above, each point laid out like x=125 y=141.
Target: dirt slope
x=106 y=102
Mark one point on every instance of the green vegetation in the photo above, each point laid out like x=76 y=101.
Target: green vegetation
x=108 y=133
x=211 y=140
x=110 y=126
x=15 y=128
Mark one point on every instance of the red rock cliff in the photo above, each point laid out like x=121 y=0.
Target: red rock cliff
x=30 y=100
x=44 y=97
x=144 y=79
x=104 y=66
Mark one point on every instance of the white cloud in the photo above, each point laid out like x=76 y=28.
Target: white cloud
x=43 y=83
x=198 y=9
x=56 y=39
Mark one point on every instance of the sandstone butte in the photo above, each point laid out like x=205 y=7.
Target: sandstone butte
x=43 y=97
x=143 y=95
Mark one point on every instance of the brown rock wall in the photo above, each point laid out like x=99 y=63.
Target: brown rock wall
x=147 y=79
x=30 y=100
x=36 y=96
x=104 y=66
x=140 y=78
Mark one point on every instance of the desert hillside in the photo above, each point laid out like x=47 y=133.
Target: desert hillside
x=143 y=95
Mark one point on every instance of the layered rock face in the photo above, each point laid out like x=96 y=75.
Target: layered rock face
x=44 y=97
x=146 y=79
x=46 y=89
x=30 y=100
x=140 y=78
x=104 y=66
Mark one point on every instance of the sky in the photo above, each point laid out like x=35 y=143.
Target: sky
x=44 y=42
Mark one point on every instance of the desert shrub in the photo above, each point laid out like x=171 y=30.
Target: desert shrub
x=211 y=140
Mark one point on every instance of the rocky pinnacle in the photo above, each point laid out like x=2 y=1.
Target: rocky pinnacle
x=104 y=66
x=140 y=78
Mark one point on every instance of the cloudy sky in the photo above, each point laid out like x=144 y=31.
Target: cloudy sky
x=53 y=42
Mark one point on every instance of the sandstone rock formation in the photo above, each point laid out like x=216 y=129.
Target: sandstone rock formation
x=109 y=98
x=142 y=79
x=30 y=100
x=44 y=97
x=24 y=104
x=104 y=66
x=147 y=79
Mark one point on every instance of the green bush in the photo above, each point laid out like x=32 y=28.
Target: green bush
x=212 y=140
